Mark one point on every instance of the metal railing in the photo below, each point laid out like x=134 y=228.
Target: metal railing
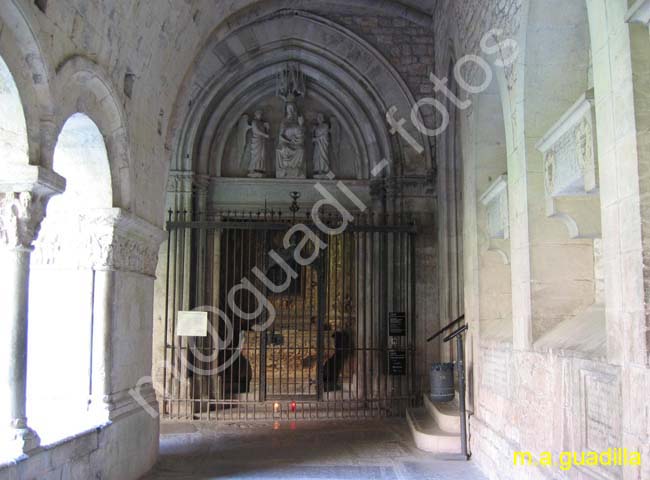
x=460 y=368
x=445 y=328
x=460 y=365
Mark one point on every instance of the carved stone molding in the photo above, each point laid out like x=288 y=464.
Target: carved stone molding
x=571 y=169
x=24 y=193
x=495 y=201
x=106 y=239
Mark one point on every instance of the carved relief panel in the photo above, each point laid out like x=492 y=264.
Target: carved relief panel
x=293 y=134
x=571 y=169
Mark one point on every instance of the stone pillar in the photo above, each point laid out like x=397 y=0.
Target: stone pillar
x=122 y=250
x=23 y=200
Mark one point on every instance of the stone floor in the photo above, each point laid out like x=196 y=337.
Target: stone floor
x=381 y=449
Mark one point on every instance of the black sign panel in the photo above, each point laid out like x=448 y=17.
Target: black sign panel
x=397 y=324
x=397 y=362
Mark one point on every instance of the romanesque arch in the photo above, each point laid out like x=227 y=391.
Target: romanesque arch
x=63 y=288
x=233 y=72
x=22 y=52
x=81 y=86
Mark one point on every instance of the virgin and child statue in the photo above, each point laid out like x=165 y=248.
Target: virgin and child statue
x=290 y=151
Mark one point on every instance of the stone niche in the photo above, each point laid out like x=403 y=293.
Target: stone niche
x=495 y=201
x=571 y=170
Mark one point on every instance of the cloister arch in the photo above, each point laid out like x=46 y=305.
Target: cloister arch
x=81 y=86
x=62 y=287
x=564 y=220
x=22 y=52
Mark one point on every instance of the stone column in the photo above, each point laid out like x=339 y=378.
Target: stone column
x=23 y=200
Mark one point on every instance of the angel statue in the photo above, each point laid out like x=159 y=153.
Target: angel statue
x=290 y=152
x=326 y=140
x=251 y=144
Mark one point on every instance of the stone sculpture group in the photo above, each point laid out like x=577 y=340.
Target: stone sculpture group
x=254 y=136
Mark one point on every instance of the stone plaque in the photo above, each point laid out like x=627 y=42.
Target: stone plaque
x=192 y=324
x=600 y=418
x=495 y=371
x=601 y=422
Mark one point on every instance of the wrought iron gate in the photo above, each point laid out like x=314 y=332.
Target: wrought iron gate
x=302 y=321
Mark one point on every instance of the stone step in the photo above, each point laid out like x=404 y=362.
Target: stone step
x=428 y=436
x=446 y=414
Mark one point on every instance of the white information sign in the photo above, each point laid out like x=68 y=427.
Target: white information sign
x=192 y=324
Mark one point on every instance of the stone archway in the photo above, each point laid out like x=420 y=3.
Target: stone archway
x=337 y=80
x=82 y=86
x=23 y=53
x=349 y=68
x=62 y=287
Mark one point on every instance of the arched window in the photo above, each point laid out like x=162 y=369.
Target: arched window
x=61 y=299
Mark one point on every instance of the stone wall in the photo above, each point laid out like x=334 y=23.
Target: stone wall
x=573 y=385
x=95 y=454
x=406 y=45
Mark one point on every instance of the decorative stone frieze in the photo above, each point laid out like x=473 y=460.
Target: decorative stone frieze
x=107 y=239
x=495 y=201
x=571 y=169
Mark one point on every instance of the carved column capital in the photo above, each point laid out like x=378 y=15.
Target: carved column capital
x=109 y=239
x=21 y=214
x=24 y=193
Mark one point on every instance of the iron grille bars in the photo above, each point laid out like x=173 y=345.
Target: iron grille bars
x=329 y=352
